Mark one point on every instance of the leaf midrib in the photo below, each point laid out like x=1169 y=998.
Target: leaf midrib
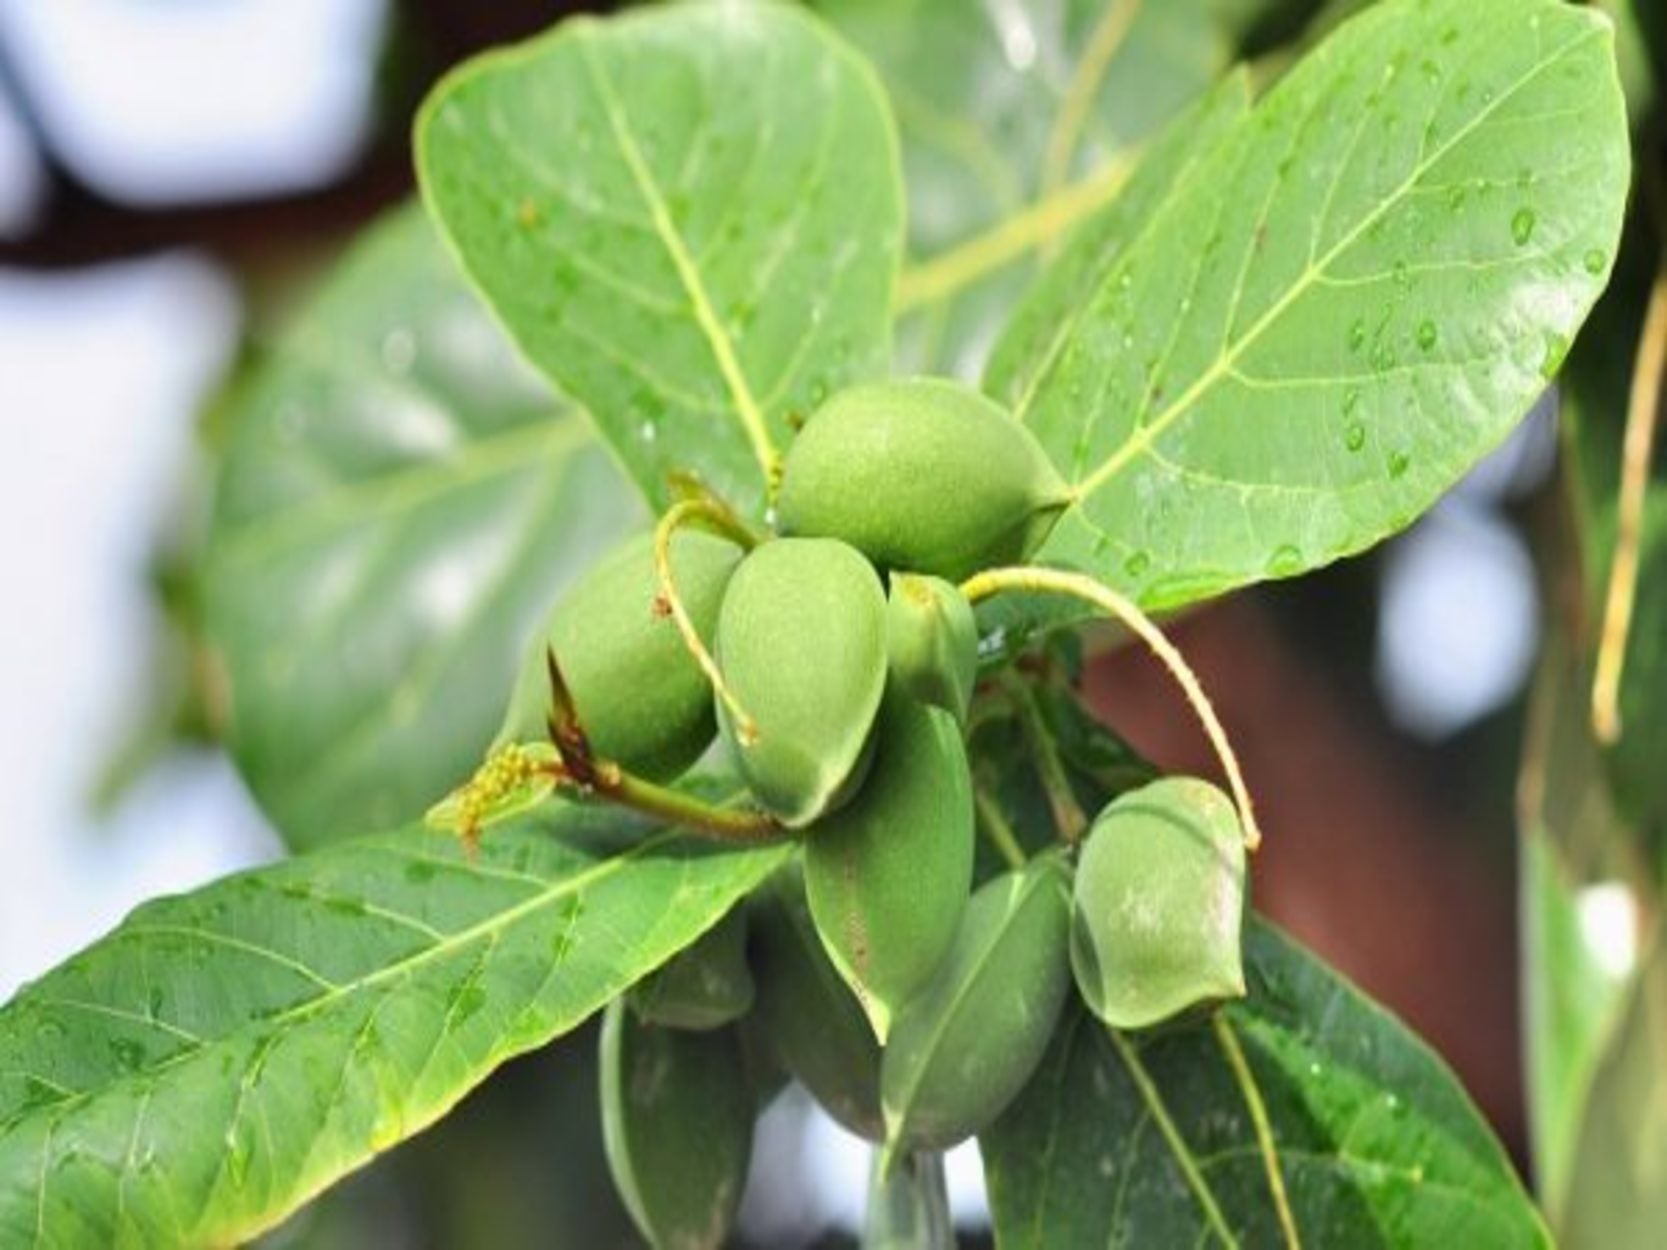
x=488 y=928
x=1144 y=434
x=711 y=326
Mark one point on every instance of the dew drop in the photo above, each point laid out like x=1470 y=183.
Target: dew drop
x=1522 y=226
x=1354 y=438
x=1285 y=561
x=1351 y=400
x=1401 y=273
x=1427 y=335
x=1137 y=564
x=1556 y=349
x=1357 y=334
x=1398 y=463
x=1595 y=261
x=648 y=431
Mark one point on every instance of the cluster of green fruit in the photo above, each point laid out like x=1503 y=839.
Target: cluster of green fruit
x=912 y=1006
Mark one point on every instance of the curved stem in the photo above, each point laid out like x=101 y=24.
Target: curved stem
x=1229 y=1041
x=725 y=824
x=1068 y=815
x=997 y=828
x=1643 y=412
x=1084 y=87
x=1097 y=594
x=716 y=514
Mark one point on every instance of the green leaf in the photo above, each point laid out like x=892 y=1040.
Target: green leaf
x=1353 y=299
x=1618 y=1190
x=688 y=218
x=223 y=1056
x=1149 y=1140
x=1017 y=124
x=400 y=502
x=1062 y=295
x=1572 y=839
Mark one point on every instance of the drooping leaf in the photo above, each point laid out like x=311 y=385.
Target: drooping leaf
x=1618 y=1190
x=1572 y=840
x=689 y=218
x=400 y=502
x=1354 y=298
x=1149 y=1140
x=1017 y=124
x=222 y=1056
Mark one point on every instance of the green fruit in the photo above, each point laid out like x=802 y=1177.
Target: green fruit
x=703 y=986
x=802 y=646
x=1158 y=904
x=962 y=1050
x=809 y=1018
x=677 y=1118
x=932 y=641
x=925 y=474
x=640 y=696
x=888 y=874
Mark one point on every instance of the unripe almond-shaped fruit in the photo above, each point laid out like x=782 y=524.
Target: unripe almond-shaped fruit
x=677 y=1117
x=961 y=1051
x=932 y=641
x=888 y=873
x=1158 y=904
x=802 y=646
x=640 y=696
x=806 y=1013
x=922 y=474
x=703 y=986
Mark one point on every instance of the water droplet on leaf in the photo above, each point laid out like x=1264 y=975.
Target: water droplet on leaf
x=1522 y=226
x=1427 y=335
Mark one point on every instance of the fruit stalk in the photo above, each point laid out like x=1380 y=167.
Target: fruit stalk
x=1027 y=578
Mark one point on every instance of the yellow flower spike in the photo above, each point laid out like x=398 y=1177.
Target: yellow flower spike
x=515 y=777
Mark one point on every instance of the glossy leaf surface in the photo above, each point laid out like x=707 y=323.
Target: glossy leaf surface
x=1352 y=300
x=1150 y=1141
x=689 y=218
x=224 y=1055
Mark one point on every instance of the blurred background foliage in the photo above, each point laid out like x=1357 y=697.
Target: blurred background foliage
x=347 y=503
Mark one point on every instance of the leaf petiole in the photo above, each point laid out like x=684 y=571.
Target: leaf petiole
x=1068 y=816
x=1034 y=579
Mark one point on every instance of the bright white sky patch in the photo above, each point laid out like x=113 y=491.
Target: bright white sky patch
x=160 y=103
x=1458 y=623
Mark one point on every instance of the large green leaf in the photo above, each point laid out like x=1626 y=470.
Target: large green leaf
x=1150 y=1141
x=1617 y=1196
x=1017 y=121
x=1050 y=310
x=689 y=218
x=400 y=501
x=1349 y=303
x=224 y=1055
